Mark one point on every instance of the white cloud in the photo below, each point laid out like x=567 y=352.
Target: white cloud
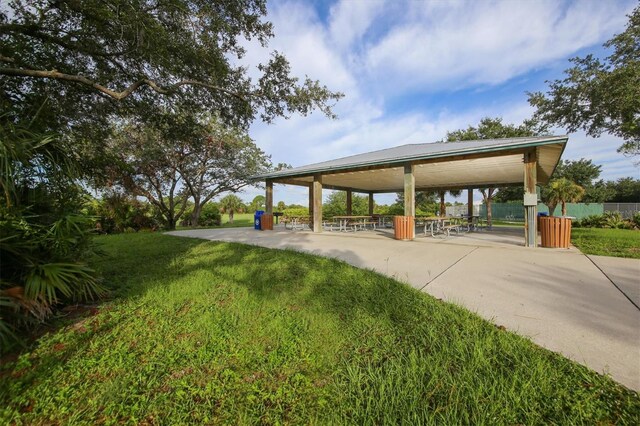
x=350 y=20
x=373 y=53
x=455 y=45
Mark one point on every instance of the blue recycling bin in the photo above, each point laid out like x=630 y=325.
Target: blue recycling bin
x=257 y=218
x=541 y=214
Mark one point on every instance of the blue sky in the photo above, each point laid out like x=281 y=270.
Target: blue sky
x=413 y=70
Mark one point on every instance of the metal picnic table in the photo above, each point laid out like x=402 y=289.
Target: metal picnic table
x=355 y=221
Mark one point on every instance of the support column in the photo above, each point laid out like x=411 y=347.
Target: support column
x=530 y=199
x=409 y=191
x=349 y=202
x=311 y=205
x=470 y=202
x=269 y=197
x=371 y=204
x=317 y=203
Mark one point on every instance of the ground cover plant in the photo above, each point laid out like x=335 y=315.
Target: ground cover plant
x=607 y=242
x=204 y=332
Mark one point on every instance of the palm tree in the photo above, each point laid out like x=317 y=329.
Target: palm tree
x=231 y=204
x=562 y=191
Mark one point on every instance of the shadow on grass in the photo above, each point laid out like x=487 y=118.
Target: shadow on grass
x=319 y=282
x=443 y=348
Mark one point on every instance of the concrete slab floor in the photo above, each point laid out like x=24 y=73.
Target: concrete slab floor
x=556 y=297
x=624 y=273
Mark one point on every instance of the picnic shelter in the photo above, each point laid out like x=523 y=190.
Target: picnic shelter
x=527 y=161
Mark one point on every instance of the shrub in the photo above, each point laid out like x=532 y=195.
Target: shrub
x=42 y=265
x=210 y=215
x=296 y=211
x=43 y=244
x=117 y=212
x=612 y=220
x=186 y=216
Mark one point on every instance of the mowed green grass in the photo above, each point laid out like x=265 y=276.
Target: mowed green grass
x=239 y=220
x=219 y=333
x=607 y=242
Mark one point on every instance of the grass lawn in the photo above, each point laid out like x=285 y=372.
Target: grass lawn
x=204 y=332
x=506 y=223
x=239 y=220
x=607 y=242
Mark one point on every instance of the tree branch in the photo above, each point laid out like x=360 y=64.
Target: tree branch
x=163 y=90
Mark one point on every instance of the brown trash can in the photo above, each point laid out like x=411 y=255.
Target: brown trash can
x=404 y=227
x=266 y=222
x=555 y=232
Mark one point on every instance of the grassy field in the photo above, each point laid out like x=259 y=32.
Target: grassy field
x=607 y=242
x=204 y=332
x=239 y=220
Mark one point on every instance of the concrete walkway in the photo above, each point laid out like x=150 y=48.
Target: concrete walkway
x=558 y=298
x=623 y=273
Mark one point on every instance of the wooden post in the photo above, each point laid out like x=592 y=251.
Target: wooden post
x=269 y=197
x=311 y=205
x=470 y=202
x=371 y=204
x=317 y=203
x=409 y=201
x=349 y=202
x=530 y=199
x=409 y=191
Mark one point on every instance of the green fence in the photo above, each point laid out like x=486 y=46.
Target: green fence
x=515 y=211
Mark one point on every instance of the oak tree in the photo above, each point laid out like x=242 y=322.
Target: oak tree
x=80 y=63
x=597 y=95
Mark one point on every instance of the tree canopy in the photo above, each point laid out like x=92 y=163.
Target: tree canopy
x=336 y=204
x=176 y=158
x=494 y=128
x=599 y=95
x=147 y=163
x=582 y=171
x=86 y=59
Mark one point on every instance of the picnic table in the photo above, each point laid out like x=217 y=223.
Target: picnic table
x=473 y=222
x=439 y=225
x=384 y=220
x=297 y=222
x=354 y=221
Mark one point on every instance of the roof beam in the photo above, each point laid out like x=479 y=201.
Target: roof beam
x=286 y=181
x=452 y=187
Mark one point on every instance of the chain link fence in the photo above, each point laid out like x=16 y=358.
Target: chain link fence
x=627 y=210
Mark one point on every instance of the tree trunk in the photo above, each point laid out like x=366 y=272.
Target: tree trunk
x=443 y=208
x=487 y=196
x=195 y=215
x=230 y=216
x=564 y=208
x=552 y=208
x=171 y=222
